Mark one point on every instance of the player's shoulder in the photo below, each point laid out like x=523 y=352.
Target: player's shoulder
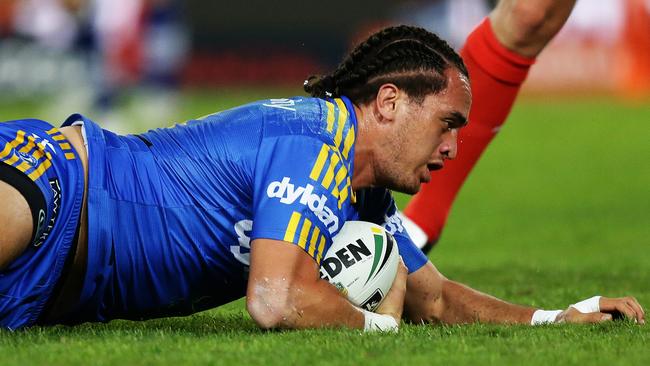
x=331 y=121
x=328 y=120
x=295 y=116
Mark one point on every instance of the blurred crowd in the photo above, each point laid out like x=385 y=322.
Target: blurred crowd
x=453 y=20
x=92 y=55
x=98 y=49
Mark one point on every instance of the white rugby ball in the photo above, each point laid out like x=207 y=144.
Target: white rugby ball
x=361 y=263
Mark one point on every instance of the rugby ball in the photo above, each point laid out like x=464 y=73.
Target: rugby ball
x=362 y=263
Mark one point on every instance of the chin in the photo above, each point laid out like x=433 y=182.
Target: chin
x=414 y=190
x=408 y=189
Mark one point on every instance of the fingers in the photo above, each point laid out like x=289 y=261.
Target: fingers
x=638 y=309
x=626 y=311
x=627 y=306
x=393 y=303
x=399 y=283
x=595 y=317
x=400 y=278
x=401 y=269
x=573 y=315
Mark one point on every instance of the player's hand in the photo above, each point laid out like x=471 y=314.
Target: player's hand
x=609 y=308
x=393 y=303
x=627 y=306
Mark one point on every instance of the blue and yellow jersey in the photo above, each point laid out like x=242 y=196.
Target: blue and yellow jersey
x=302 y=179
x=173 y=212
x=43 y=155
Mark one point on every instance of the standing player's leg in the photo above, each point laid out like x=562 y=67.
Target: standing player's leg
x=498 y=55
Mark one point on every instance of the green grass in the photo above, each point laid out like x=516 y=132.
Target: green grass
x=557 y=211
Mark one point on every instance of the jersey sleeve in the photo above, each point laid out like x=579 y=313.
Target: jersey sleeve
x=301 y=186
x=378 y=206
x=413 y=257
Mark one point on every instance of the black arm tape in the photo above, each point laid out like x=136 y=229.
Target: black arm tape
x=30 y=191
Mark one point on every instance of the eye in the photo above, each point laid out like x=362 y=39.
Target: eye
x=446 y=125
x=451 y=124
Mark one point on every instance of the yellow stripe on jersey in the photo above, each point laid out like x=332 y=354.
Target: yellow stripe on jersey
x=70 y=156
x=320 y=162
x=344 y=193
x=24 y=166
x=20 y=138
x=335 y=193
x=30 y=145
x=6 y=150
x=376 y=230
x=58 y=137
x=304 y=233
x=343 y=117
x=348 y=142
x=52 y=131
x=290 y=233
x=40 y=151
x=329 y=176
x=330 y=116
x=313 y=241
x=40 y=170
x=13 y=159
x=65 y=146
x=340 y=175
x=321 y=247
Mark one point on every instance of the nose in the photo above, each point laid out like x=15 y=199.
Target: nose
x=449 y=145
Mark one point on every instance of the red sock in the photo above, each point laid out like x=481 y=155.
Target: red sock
x=496 y=75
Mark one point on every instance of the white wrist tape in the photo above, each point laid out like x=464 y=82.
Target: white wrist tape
x=591 y=305
x=374 y=322
x=544 y=316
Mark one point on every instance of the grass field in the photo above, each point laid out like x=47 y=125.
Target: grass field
x=558 y=210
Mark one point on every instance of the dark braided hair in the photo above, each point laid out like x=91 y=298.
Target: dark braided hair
x=412 y=58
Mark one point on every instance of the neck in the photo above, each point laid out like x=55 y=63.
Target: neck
x=364 y=150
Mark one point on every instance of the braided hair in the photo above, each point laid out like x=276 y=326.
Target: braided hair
x=412 y=58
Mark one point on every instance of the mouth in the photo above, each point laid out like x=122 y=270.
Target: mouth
x=435 y=166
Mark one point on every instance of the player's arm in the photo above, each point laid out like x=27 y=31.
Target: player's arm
x=286 y=291
x=297 y=211
x=432 y=298
x=526 y=26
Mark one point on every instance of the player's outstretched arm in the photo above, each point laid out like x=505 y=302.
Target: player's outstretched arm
x=286 y=291
x=432 y=298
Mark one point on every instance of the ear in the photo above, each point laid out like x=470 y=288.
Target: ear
x=386 y=102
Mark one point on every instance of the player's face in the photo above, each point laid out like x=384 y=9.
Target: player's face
x=426 y=135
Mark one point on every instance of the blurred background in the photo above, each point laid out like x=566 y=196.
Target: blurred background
x=134 y=64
